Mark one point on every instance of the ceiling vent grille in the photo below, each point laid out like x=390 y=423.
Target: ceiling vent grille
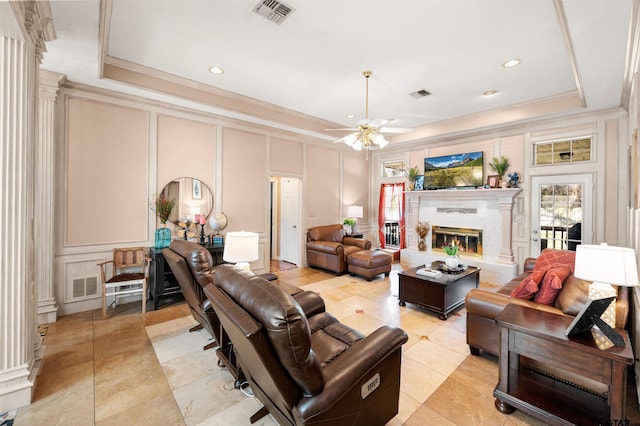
x=273 y=10
x=420 y=94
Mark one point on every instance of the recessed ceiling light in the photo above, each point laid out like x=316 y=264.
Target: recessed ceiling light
x=216 y=70
x=490 y=93
x=350 y=116
x=511 y=63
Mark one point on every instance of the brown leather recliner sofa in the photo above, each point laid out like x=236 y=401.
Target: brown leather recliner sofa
x=483 y=306
x=303 y=365
x=191 y=264
x=328 y=248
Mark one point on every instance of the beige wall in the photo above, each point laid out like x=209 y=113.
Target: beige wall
x=323 y=182
x=121 y=151
x=287 y=157
x=186 y=148
x=107 y=158
x=245 y=183
x=355 y=180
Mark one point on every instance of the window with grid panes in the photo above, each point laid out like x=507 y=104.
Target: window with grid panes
x=562 y=151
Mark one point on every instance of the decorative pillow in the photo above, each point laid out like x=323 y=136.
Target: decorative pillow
x=552 y=284
x=574 y=295
x=528 y=287
x=550 y=257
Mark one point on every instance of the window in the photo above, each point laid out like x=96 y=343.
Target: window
x=394 y=169
x=562 y=151
x=391 y=215
x=561 y=216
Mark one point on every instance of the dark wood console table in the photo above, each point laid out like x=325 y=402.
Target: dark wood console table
x=163 y=286
x=539 y=335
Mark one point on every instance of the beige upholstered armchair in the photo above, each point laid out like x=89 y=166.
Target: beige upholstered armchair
x=328 y=248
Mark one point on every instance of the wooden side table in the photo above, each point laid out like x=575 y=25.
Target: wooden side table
x=356 y=235
x=539 y=335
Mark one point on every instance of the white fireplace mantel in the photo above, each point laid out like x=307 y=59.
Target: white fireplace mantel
x=495 y=208
x=465 y=194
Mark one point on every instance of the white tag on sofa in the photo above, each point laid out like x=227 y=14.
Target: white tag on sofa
x=371 y=385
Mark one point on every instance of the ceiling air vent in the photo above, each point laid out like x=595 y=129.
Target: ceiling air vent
x=273 y=10
x=419 y=94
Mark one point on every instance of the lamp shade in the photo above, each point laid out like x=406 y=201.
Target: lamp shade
x=354 y=211
x=606 y=264
x=240 y=247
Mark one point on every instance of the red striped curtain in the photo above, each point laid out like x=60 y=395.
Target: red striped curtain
x=391 y=208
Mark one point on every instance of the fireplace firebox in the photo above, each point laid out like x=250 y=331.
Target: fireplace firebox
x=468 y=240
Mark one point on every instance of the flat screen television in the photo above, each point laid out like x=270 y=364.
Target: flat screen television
x=453 y=171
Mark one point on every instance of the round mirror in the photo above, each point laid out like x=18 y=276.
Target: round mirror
x=191 y=197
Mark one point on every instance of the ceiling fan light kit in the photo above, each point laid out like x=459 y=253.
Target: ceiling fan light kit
x=369 y=133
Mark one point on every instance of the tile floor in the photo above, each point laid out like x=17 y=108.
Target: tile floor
x=152 y=371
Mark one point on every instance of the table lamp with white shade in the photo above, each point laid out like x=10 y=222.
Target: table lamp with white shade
x=355 y=212
x=605 y=266
x=241 y=247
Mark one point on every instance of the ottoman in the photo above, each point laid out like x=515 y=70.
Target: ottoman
x=369 y=263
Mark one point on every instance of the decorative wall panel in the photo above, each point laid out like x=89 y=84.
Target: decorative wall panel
x=107 y=173
x=245 y=185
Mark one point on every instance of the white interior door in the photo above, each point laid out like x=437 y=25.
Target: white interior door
x=561 y=212
x=289 y=228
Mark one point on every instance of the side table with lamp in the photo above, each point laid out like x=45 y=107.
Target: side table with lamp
x=527 y=333
x=355 y=213
x=241 y=248
x=604 y=265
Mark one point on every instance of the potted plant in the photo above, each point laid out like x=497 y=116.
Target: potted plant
x=500 y=166
x=412 y=174
x=348 y=223
x=451 y=249
x=452 y=260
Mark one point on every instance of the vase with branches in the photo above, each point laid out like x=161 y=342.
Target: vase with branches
x=422 y=229
x=164 y=207
x=163 y=210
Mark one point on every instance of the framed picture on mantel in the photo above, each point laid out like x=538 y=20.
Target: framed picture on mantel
x=493 y=181
x=419 y=183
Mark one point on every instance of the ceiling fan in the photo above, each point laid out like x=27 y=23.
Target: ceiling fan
x=369 y=133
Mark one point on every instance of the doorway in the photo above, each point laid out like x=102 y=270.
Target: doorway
x=285 y=220
x=561 y=212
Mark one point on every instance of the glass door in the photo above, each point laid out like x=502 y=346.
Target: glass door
x=561 y=213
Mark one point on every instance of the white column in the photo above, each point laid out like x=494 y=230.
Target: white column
x=506 y=251
x=22 y=36
x=44 y=189
x=411 y=218
x=17 y=337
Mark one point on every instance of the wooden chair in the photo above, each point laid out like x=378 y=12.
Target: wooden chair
x=130 y=274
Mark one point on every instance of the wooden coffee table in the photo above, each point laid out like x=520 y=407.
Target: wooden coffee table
x=441 y=295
